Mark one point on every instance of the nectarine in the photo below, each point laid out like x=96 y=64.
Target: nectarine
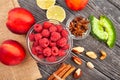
x=20 y=20
x=11 y=52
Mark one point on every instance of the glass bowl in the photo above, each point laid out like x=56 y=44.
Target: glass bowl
x=43 y=61
x=84 y=35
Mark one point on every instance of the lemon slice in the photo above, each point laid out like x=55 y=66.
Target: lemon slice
x=45 y=4
x=56 y=12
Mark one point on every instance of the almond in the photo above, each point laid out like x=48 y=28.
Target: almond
x=90 y=65
x=91 y=54
x=77 y=73
x=77 y=60
x=78 y=50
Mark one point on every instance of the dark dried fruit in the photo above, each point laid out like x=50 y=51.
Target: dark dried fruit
x=78 y=26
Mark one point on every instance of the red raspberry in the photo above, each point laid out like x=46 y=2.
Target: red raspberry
x=46 y=24
x=44 y=42
x=53 y=28
x=34 y=51
x=65 y=47
x=47 y=51
x=61 y=53
x=64 y=33
x=54 y=51
x=32 y=37
x=38 y=36
x=59 y=28
x=40 y=56
x=39 y=49
x=37 y=27
x=52 y=44
x=35 y=43
x=51 y=59
x=45 y=33
x=55 y=36
x=62 y=42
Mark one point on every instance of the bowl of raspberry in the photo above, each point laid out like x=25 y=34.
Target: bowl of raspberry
x=49 y=42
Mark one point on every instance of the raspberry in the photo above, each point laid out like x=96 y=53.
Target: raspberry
x=47 y=51
x=36 y=43
x=52 y=44
x=55 y=36
x=44 y=42
x=64 y=33
x=38 y=36
x=46 y=24
x=45 y=33
x=40 y=56
x=59 y=28
x=31 y=37
x=65 y=47
x=38 y=49
x=62 y=42
x=51 y=59
x=34 y=51
x=54 y=51
x=61 y=53
x=37 y=27
x=53 y=28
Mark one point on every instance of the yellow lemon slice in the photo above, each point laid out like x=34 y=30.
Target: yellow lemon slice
x=56 y=12
x=45 y=4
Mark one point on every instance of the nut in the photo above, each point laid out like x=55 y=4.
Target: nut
x=104 y=54
x=78 y=49
x=90 y=65
x=91 y=54
x=77 y=60
x=77 y=73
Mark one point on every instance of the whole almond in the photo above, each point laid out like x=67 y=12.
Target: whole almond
x=78 y=50
x=77 y=73
x=90 y=65
x=77 y=60
x=91 y=54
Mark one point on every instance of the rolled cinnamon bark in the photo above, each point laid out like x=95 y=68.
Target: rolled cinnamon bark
x=63 y=72
x=58 y=71
x=68 y=72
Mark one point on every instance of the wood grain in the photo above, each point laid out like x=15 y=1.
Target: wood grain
x=104 y=70
x=115 y=3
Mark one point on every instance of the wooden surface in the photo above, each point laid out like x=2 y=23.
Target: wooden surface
x=108 y=69
x=28 y=69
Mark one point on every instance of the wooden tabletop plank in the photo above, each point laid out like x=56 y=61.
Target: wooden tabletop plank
x=115 y=3
x=109 y=66
x=87 y=73
x=113 y=55
x=97 y=10
x=111 y=11
x=104 y=70
x=49 y=69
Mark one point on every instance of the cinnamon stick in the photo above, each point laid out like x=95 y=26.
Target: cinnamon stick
x=63 y=72
x=68 y=72
x=58 y=71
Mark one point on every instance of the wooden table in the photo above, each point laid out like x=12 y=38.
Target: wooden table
x=108 y=69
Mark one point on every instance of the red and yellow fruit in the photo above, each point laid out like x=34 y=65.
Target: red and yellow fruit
x=76 y=4
x=19 y=20
x=11 y=52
